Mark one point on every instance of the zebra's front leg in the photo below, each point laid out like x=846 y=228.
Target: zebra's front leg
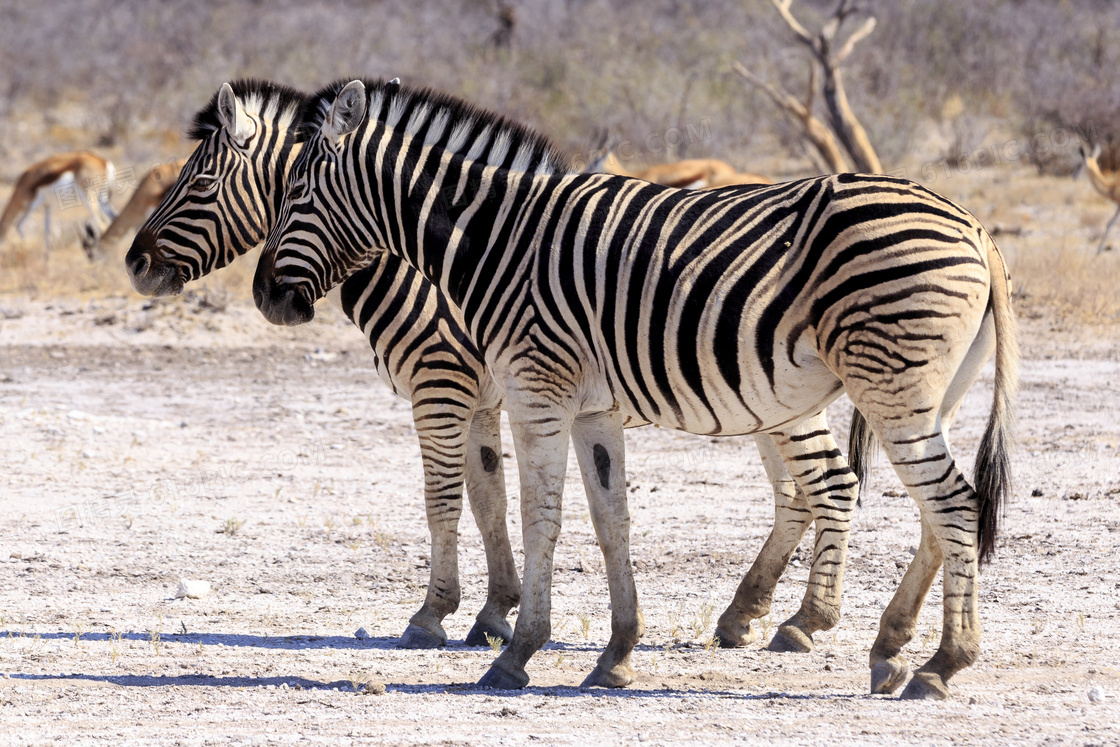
x=755 y=594
x=600 y=450
x=486 y=491
x=540 y=431
x=831 y=489
x=443 y=439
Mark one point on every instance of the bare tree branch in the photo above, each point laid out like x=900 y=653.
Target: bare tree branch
x=787 y=16
x=815 y=131
x=857 y=36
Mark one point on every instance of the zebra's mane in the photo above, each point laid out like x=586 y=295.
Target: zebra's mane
x=261 y=98
x=461 y=127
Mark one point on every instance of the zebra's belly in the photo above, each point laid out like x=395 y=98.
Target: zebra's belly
x=748 y=401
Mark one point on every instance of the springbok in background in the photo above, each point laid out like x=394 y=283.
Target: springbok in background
x=1108 y=186
x=739 y=177
x=691 y=173
x=159 y=179
x=73 y=176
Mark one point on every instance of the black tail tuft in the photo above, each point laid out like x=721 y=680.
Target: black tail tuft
x=862 y=446
x=993 y=479
x=993 y=462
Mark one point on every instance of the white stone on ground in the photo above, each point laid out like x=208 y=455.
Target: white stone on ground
x=192 y=589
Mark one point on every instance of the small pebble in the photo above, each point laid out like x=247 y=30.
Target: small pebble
x=361 y=634
x=1096 y=694
x=375 y=688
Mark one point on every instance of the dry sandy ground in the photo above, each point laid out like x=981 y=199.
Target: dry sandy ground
x=144 y=443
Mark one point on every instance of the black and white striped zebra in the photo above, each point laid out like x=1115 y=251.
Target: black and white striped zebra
x=740 y=310
x=222 y=205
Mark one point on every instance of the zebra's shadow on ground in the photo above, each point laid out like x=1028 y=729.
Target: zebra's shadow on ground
x=464 y=688
x=293 y=642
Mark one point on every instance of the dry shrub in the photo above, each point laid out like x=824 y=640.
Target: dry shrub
x=1072 y=282
x=26 y=269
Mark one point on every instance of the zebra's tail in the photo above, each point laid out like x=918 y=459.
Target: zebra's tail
x=862 y=446
x=992 y=479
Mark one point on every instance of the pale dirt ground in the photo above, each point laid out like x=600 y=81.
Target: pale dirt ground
x=133 y=435
x=136 y=432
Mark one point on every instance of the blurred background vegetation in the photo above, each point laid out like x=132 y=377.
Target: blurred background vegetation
x=934 y=76
x=937 y=85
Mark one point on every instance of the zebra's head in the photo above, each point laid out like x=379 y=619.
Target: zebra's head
x=225 y=200
x=368 y=180
x=318 y=240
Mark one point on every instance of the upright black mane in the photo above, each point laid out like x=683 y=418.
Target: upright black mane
x=400 y=102
x=255 y=95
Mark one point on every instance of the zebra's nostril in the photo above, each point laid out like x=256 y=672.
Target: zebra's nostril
x=140 y=265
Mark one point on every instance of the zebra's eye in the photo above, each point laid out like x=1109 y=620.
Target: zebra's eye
x=297 y=189
x=203 y=183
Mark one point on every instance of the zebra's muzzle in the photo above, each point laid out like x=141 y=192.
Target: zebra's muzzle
x=149 y=276
x=284 y=304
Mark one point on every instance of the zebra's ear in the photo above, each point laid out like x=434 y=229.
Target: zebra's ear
x=347 y=111
x=233 y=117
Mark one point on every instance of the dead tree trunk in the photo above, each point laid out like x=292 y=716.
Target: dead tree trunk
x=841 y=119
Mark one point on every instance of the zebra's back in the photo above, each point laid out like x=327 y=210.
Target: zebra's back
x=731 y=311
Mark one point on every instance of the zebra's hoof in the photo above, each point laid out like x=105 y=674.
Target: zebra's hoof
x=887 y=676
x=416 y=637
x=477 y=636
x=926 y=686
x=726 y=638
x=790 y=640
x=620 y=676
x=499 y=679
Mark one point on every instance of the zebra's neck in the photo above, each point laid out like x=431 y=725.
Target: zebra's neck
x=465 y=211
x=286 y=155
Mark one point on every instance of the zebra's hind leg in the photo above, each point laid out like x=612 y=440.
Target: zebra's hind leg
x=443 y=439
x=486 y=491
x=830 y=487
x=756 y=591
x=950 y=511
x=599 y=448
x=541 y=429
x=889 y=668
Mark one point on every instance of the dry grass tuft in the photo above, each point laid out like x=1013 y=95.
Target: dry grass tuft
x=1071 y=282
x=26 y=268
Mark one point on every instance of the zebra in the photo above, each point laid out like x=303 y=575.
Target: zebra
x=733 y=311
x=223 y=204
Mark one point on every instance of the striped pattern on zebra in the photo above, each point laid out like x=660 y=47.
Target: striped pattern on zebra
x=222 y=206
x=739 y=310
x=191 y=227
